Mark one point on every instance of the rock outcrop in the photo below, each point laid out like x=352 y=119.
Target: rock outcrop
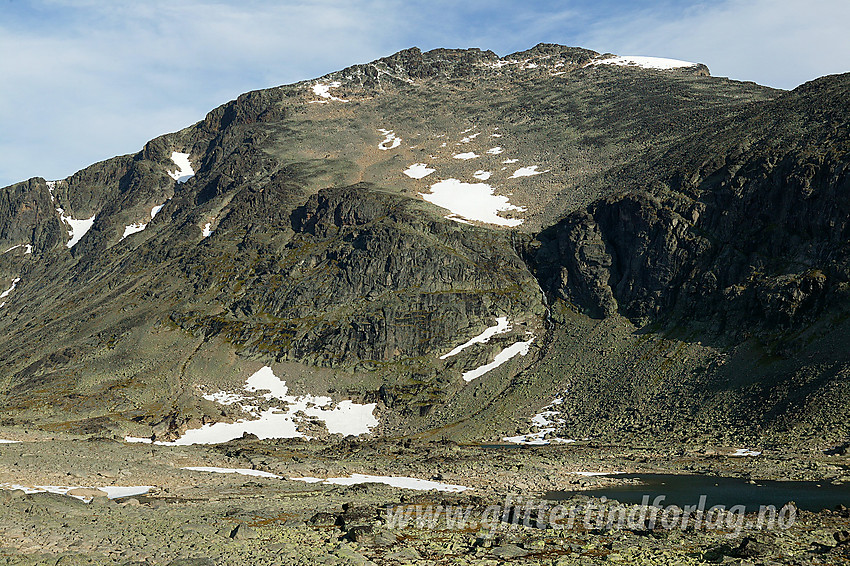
x=751 y=236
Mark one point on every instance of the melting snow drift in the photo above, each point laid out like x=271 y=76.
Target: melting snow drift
x=472 y=201
x=240 y=471
x=110 y=491
x=502 y=326
x=389 y=138
x=184 y=168
x=745 y=452
x=418 y=171
x=323 y=90
x=525 y=172
x=139 y=226
x=76 y=228
x=133 y=229
x=6 y=293
x=393 y=481
x=595 y=474
x=346 y=417
x=546 y=422
x=520 y=348
x=645 y=62
x=27 y=248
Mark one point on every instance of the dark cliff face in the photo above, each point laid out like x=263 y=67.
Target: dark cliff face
x=668 y=197
x=28 y=216
x=366 y=275
x=757 y=235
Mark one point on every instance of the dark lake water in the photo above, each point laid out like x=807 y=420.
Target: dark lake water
x=684 y=490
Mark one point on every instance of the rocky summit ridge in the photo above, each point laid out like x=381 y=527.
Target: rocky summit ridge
x=663 y=251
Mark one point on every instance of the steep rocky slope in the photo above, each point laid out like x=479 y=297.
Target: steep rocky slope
x=635 y=212
x=739 y=240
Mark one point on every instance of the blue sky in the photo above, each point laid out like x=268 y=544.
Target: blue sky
x=84 y=80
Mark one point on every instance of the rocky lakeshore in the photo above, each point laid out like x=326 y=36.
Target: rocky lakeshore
x=255 y=513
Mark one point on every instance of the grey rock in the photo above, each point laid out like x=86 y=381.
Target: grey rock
x=357 y=515
x=242 y=532
x=322 y=519
x=509 y=551
x=362 y=534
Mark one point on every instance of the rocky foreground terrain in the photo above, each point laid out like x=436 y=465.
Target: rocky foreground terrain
x=595 y=263
x=198 y=518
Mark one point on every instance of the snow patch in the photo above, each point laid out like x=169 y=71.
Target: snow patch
x=133 y=229
x=139 y=226
x=240 y=471
x=224 y=398
x=264 y=379
x=27 y=248
x=520 y=348
x=472 y=201
x=4 y=441
x=482 y=175
x=117 y=491
x=389 y=138
x=594 y=474
x=546 y=422
x=509 y=161
x=393 y=481
x=468 y=139
x=501 y=63
x=76 y=228
x=418 y=171
x=207 y=230
x=495 y=150
x=346 y=417
x=745 y=452
x=184 y=168
x=645 y=62
x=111 y=491
x=467 y=155
x=323 y=90
x=527 y=172
x=5 y=293
x=502 y=326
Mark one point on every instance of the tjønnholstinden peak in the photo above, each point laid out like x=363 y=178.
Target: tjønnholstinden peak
x=640 y=232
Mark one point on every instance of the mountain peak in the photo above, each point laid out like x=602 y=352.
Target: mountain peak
x=412 y=65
